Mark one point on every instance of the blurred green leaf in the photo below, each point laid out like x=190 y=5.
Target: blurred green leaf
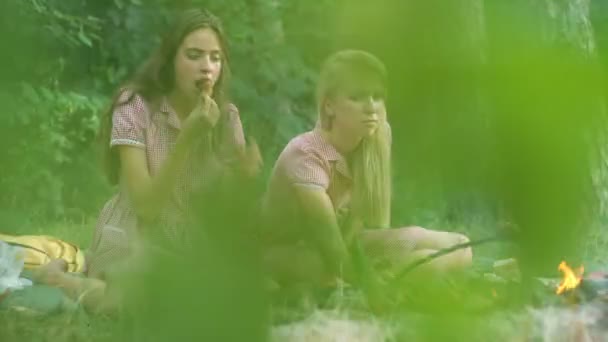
x=84 y=39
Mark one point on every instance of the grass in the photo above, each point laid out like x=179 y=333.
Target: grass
x=341 y=318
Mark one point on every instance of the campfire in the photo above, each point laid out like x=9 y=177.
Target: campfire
x=574 y=288
x=571 y=278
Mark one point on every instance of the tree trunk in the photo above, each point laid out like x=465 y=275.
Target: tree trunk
x=546 y=98
x=510 y=84
x=599 y=20
x=434 y=51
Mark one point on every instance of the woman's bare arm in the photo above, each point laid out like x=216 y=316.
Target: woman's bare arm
x=150 y=194
x=323 y=225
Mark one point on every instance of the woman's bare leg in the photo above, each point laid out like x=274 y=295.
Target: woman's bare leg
x=402 y=246
x=436 y=240
x=88 y=291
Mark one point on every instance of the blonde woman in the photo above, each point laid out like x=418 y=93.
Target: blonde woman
x=332 y=185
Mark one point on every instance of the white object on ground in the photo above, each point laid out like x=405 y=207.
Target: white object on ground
x=11 y=265
x=582 y=323
x=332 y=326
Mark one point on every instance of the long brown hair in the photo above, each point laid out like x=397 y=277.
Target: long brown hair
x=371 y=161
x=156 y=78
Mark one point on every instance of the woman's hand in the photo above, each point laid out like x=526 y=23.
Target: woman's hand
x=204 y=116
x=322 y=225
x=151 y=194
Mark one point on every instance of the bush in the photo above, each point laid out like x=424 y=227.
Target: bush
x=83 y=50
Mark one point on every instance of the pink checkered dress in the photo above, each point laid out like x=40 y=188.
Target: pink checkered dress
x=310 y=160
x=137 y=123
x=307 y=160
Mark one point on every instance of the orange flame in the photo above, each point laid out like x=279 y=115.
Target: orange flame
x=571 y=279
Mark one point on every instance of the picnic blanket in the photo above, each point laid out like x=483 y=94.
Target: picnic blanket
x=40 y=249
x=17 y=290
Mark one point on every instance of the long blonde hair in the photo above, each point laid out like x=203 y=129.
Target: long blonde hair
x=371 y=161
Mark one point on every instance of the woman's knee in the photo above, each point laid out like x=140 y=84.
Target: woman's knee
x=413 y=232
x=416 y=236
x=413 y=241
x=423 y=238
x=458 y=259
